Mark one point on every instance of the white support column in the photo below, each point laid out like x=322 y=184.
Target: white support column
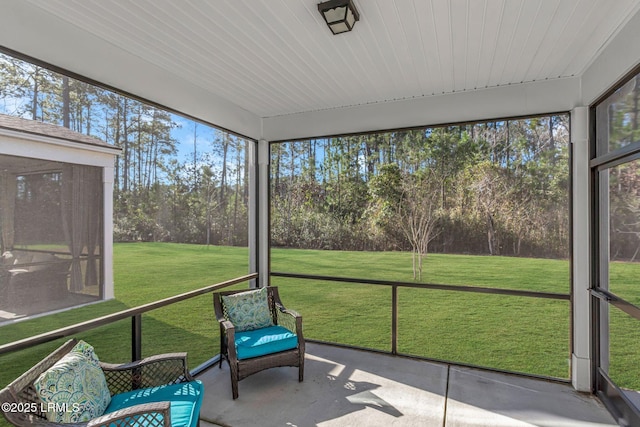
x=581 y=357
x=263 y=212
x=252 y=155
x=107 y=254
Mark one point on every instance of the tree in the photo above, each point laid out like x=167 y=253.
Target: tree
x=385 y=195
x=209 y=185
x=419 y=213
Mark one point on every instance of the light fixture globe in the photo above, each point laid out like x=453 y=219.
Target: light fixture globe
x=340 y=15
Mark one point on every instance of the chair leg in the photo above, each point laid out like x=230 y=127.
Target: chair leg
x=221 y=349
x=234 y=379
x=301 y=369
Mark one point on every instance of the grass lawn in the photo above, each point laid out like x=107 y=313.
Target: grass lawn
x=472 y=270
x=143 y=273
x=505 y=332
x=513 y=333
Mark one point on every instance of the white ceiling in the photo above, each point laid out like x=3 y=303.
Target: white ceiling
x=277 y=57
x=271 y=69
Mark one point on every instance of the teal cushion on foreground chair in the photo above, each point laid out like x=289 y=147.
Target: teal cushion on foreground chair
x=264 y=341
x=185 y=398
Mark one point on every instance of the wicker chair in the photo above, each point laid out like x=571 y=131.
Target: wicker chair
x=243 y=367
x=22 y=407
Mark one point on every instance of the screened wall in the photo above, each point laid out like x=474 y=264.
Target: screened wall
x=461 y=229
x=616 y=250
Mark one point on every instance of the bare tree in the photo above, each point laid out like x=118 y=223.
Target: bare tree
x=419 y=213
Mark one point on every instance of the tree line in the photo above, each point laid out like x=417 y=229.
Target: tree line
x=494 y=188
x=158 y=196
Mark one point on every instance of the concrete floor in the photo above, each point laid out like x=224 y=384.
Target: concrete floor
x=354 y=388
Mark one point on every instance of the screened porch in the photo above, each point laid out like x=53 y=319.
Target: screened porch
x=456 y=181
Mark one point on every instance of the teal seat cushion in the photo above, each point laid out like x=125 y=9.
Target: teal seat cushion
x=185 y=398
x=259 y=342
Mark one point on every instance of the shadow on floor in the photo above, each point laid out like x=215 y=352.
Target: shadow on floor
x=345 y=387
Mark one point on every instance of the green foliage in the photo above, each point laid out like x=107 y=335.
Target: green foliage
x=385 y=195
x=498 y=188
x=386 y=185
x=157 y=197
x=502 y=185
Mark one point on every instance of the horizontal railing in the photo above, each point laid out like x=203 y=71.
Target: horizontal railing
x=626 y=306
x=134 y=313
x=394 y=285
x=457 y=288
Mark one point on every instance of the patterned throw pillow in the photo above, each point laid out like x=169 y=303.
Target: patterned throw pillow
x=74 y=389
x=248 y=310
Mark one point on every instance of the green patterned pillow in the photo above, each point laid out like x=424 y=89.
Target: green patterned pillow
x=248 y=310
x=74 y=389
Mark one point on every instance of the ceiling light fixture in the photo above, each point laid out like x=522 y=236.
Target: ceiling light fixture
x=340 y=15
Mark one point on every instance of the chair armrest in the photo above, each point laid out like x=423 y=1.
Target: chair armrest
x=155 y=414
x=153 y=371
x=289 y=319
x=226 y=325
x=288 y=311
x=229 y=330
